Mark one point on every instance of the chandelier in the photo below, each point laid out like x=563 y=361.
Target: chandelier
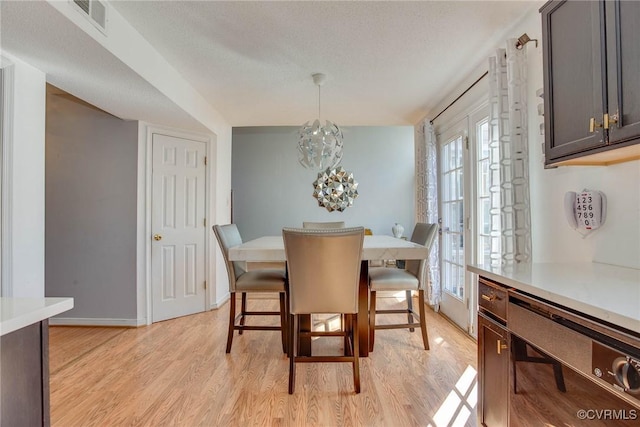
x=319 y=146
x=335 y=189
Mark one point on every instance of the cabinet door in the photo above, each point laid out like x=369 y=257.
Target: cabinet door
x=24 y=369
x=623 y=69
x=493 y=373
x=573 y=34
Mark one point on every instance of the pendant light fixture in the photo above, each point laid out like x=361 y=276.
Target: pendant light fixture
x=319 y=146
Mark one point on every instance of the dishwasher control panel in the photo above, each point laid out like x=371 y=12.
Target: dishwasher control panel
x=620 y=370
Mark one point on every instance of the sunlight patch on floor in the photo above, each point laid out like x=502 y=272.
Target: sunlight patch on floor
x=461 y=401
x=400 y=296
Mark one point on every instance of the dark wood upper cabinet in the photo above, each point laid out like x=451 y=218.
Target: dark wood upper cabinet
x=623 y=66
x=591 y=61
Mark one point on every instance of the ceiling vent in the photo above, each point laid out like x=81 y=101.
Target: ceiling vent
x=95 y=11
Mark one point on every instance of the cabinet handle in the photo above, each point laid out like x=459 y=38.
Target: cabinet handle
x=610 y=119
x=489 y=298
x=593 y=125
x=501 y=347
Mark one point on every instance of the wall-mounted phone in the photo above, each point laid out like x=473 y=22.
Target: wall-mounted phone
x=586 y=211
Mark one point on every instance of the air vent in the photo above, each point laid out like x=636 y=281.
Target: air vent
x=95 y=11
x=84 y=5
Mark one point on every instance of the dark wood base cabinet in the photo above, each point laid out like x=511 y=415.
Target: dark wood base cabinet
x=541 y=365
x=493 y=362
x=24 y=376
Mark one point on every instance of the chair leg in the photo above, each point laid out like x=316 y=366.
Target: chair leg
x=243 y=310
x=345 y=325
x=409 y=309
x=356 y=353
x=293 y=344
x=423 y=320
x=232 y=319
x=372 y=320
x=283 y=322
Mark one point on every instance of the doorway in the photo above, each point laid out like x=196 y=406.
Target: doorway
x=464 y=207
x=453 y=164
x=178 y=226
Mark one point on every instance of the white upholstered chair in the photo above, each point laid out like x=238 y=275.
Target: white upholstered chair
x=324 y=274
x=411 y=278
x=240 y=280
x=322 y=225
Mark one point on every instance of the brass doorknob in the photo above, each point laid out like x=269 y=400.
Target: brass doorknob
x=157 y=237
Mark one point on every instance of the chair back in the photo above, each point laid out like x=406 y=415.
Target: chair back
x=425 y=235
x=324 y=269
x=228 y=236
x=322 y=225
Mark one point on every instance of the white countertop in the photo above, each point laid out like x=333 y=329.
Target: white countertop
x=271 y=248
x=604 y=291
x=16 y=313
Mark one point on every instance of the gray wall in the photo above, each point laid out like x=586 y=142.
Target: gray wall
x=272 y=190
x=90 y=216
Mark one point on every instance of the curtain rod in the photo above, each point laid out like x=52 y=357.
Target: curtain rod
x=461 y=95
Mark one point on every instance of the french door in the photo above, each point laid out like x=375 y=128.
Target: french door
x=453 y=163
x=464 y=212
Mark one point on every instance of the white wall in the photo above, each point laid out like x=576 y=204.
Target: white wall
x=91 y=196
x=23 y=181
x=272 y=190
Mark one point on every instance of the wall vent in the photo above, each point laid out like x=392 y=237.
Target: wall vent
x=95 y=11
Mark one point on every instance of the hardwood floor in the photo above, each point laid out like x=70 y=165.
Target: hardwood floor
x=176 y=373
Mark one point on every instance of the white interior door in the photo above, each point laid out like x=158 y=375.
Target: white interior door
x=453 y=212
x=178 y=227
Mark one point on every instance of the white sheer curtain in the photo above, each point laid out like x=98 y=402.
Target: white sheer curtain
x=509 y=157
x=427 y=200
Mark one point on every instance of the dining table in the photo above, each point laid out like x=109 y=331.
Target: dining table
x=376 y=247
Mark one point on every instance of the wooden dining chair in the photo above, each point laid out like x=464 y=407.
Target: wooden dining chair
x=254 y=281
x=411 y=278
x=324 y=274
x=322 y=225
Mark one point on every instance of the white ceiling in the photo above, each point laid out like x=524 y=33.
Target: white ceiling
x=388 y=63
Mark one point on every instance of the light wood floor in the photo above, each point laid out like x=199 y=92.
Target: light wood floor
x=177 y=373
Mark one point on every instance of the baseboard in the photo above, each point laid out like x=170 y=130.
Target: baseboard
x=79 y=321
x=216 y=305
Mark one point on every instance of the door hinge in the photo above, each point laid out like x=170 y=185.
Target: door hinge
x=204 y=221
x=205 y=284
x=205 y=160
x=466 y=141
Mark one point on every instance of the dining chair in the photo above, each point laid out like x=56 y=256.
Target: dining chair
x=324 y=272
x=244 y=282
x=322 y=225
x=411 y=278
